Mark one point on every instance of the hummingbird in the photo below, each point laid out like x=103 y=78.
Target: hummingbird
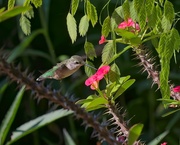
x=63 y=69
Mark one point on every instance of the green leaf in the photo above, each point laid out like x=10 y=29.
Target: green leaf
x=149 y=5
x=124 y=87
x=88 y=9
x=153 y=18
x=133 y=13
x=142 y=17
x=134 y=133
x=106 y=27
x=10 y=115
x=12 y=12
x=98 y=102
x=83 y=25
x=37 y=123
x=114 y=73
x=25 y=25
x=171 y=112
x=166 y=24
x=117 y=17
x=137 y=5
x=2 y=10
x=169 y=11
x=29 y=14
x=37 y=3
x=107 y=52
x=68 y=139
x=11 y=4
x=125 y=33
x=158 y=139
x=126 y=9
x=93 y=16
x=74 y=6
x=89 y=50
x=72 y=27
x=88 y=70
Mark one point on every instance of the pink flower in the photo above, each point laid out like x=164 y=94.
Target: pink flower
x=93 y=80
x=102 y=40
x=164 y=143
x=176 y=89
x=129 y=23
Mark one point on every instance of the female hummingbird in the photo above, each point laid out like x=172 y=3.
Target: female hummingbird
x=63 y=69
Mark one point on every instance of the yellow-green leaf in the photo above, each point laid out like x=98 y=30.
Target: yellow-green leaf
x=72 y=27
x=74 y=6
x=83 y=25
x=106 y=26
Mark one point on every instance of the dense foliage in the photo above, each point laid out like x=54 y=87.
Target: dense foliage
x=124 y=94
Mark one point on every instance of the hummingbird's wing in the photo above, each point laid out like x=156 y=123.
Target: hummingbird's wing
x=48 y=74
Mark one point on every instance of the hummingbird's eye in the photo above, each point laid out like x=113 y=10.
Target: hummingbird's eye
x=77 y=62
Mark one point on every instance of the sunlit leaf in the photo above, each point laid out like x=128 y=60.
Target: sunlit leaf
x=37 y=3
x=74 y=6
x=25 y=25
x=83 y=25
x=11 y=4
x=72 y=27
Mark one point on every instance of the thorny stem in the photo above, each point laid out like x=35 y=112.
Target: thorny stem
x=148 y=63
x=57 y=98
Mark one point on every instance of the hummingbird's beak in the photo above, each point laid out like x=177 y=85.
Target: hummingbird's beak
x=90 y=66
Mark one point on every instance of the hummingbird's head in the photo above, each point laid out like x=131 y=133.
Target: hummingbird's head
x=75 y=62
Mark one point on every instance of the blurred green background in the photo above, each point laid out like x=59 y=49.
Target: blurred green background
x=139 y=102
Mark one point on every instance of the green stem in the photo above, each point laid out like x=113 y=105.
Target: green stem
x=118 y=54
x=46 y=35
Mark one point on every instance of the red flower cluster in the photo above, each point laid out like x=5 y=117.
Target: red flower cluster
x=93 y=80
x=164 y=143
x=176 y=89
x=129 y=23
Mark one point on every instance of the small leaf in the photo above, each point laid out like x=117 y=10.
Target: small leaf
x=98 y=102
x=37 y=3
x=29 y=14
x=74 y=6
x=126 y=9
x=93 y=17
x=89 y=50
x=169 y=11
x=83 y=25
x=72 y=27
x=149 y=4
x=123 y=88
x=106 y=27
x=125 y=33
x=107 y=52
x=2 y=10
x=11 y=4
x=25 y=25
x=88 y=70
x=142 y=17
x=114 y=73
x=134 y=133
x=117 y=17
x=137 y=5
